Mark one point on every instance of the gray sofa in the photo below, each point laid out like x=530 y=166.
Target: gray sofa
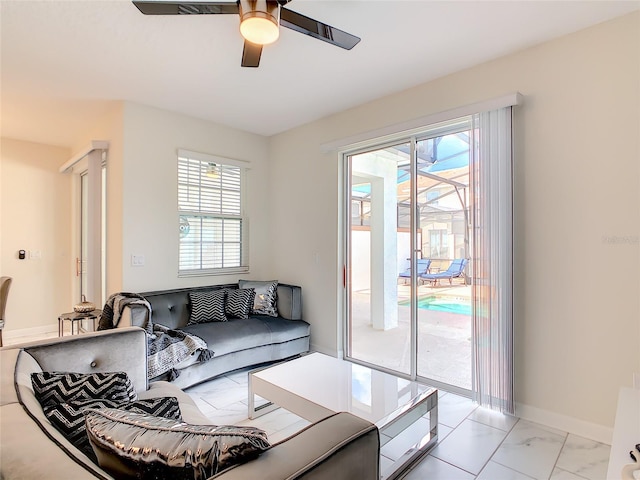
x=339 y=447
x=237 y=343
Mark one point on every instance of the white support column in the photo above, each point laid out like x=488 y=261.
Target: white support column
x=382 y=173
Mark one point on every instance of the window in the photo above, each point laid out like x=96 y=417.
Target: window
x=211 y=218
x=439 y=244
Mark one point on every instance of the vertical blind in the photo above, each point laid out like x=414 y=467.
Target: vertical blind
x=210 y=209
x=492 y=285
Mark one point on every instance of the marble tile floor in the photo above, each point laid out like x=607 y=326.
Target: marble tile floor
x=473 y=443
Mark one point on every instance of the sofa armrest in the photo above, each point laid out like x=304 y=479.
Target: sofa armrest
x=339 y=447
x=289 y=301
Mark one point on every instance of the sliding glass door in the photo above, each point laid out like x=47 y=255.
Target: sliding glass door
x=409 y=224
x=429 y=256
x=379 y=244
x=443 y=326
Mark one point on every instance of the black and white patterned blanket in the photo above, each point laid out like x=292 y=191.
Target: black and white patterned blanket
x=167 y=348
x=170 y=347
x=115 y=305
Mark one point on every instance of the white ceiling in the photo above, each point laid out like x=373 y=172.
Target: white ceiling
x=63 y=61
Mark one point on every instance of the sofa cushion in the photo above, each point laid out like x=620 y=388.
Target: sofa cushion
x=28 y=453
x=69 y=419
x=207 y=306
x=239 y=302
x=242 y=334
x=264 y=302
x=141 y=446
x=51 y=388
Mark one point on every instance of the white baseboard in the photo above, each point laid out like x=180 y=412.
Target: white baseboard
x=593 y=431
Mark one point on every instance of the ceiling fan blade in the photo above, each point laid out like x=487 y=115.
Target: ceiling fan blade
x=251 y=54
x=321 y=31
x=186 y=8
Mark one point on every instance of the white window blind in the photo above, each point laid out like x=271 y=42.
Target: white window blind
x=212 y=227
x=492 y=284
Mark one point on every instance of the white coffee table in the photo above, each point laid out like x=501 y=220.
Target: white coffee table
x=315 y=386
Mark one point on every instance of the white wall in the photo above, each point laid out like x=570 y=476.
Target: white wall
x=577 y=183
x=152 y=138
x=35 y=200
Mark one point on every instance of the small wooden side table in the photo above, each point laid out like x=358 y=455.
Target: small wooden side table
x=74 y=318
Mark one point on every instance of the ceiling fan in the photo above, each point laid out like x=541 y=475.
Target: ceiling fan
x=260 y=22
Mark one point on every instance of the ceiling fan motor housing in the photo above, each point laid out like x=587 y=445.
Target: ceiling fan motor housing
x=253 y=14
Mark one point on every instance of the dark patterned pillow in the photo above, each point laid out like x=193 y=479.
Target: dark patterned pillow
x=264 y=302
x=51 y=388
x=146 y=447
x=207 y=306
x=68 y=418
x=239 y=302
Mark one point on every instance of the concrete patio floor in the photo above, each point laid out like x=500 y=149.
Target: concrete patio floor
x=444 y=338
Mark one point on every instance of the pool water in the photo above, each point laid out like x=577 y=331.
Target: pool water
x=443 y=304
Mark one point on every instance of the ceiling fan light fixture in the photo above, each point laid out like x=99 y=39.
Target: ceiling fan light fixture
x=213 y=171
x=259 y=21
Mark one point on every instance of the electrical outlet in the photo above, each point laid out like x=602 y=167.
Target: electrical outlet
x=137 y=260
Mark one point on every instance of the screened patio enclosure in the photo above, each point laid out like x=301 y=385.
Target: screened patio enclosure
x=430 y=177
x=442 y=198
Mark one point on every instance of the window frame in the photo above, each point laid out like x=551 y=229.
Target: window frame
x=222 y=162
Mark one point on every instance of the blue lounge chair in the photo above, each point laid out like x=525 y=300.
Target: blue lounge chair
x=423 y=267
x=455 y=270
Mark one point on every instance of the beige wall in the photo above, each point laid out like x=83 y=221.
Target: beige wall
x=141 y=208
x=110 y=128
x=152 y=138
x=35 y=200
x=142 y=192
x=577 y=184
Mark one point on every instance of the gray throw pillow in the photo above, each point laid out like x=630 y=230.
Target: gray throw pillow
x=264 y=302
x=207 y=306
x=239 y=302
x=129 y=444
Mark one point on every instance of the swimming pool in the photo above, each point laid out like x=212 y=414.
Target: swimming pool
x=443 y=304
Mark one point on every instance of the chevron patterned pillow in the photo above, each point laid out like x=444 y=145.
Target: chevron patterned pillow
x=207 y=306
x=68 y=418
x=239 y=302
x=51 y=388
